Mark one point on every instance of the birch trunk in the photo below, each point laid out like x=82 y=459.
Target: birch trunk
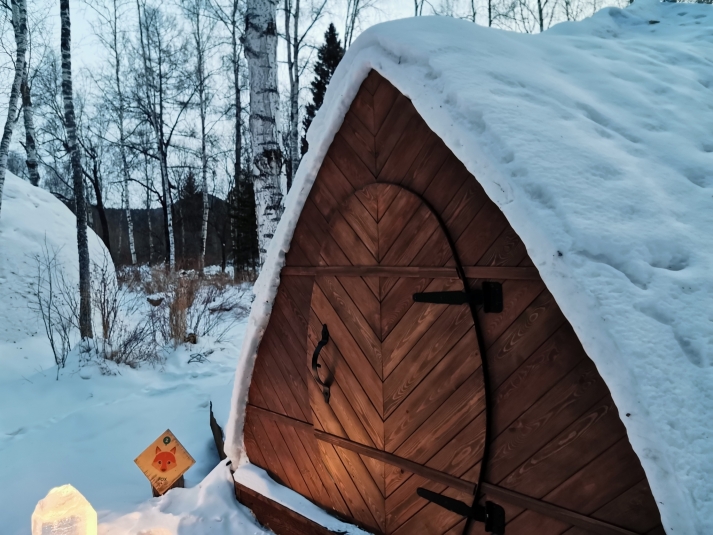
x=28 y=116
x=201 y=78
x=85 y=314
x=19 y=23
x=293 y=48
x=157 y=122
x=235 y=58
x=261 y=54
x=148 y=208
x=122 y=136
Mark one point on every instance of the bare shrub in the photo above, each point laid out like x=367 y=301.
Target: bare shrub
x=55 y=303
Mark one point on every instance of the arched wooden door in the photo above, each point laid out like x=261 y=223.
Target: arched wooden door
x=404 y=378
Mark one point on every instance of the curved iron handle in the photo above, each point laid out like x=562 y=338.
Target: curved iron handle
x=315 y=365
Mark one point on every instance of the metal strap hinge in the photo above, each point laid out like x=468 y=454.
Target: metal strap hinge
x=491 y=514
x=490 y=296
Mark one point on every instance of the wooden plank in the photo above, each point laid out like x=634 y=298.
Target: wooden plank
x=564 y=403
x=459 y=364
x=362 y=222
x=406 y=151
x=574 y=518
x=397 y=121
x=454 y=427
x=583 y=441
x=472 y=272
x=535 y=377
x=450 y=327
x=405 y=322
x=481 y=233
x=385 y=198
x=280 y=445
x=540 y=320
x=252 y=448
x=372 y=81
x=351 y=166
x=458 y=203
x=410 y=243
x=517 y=297
x=276 y=517
x=369 y=198
x=508 y=250
x=331 y=178
x=399 y=302
x=353 y=320
x=432 y=518
x=356 y=410
x=411 y=239
x=353 y=467
x=384 y=98
x=593 y=486
x=496 y=492
x=304 y=428
x=401 y=462
x=363 y=107
x=311 y=231
x=360 y=139
x=395 y=219
x=285 y=379
x=424 y=169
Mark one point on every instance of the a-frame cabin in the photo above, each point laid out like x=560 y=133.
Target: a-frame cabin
x=393 y=213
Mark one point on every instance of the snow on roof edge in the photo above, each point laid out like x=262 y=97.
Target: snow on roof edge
x=675 y=501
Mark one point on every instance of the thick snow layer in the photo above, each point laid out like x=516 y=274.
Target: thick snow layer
x=86 y=428
x=594 y=138
x=31 y=218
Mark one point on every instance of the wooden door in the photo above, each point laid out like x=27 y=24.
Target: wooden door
x=404 y=377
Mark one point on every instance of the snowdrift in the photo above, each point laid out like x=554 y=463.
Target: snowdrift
x=30 y=218
x=594 y=139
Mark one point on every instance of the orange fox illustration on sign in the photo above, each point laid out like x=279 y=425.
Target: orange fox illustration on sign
x=164 y=460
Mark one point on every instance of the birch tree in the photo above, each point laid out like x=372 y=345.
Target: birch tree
x=202 y=31
x=295 y=42
x=161 y=98
x=19 y=24
x=231 y=15
x=113 y=92
x=29 y=121
x=261 y=53
x=85 y=318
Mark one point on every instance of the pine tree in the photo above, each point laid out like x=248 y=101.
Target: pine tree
x=328 y=57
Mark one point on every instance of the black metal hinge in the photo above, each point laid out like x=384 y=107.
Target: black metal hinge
x=490 y=296
x=491 y=514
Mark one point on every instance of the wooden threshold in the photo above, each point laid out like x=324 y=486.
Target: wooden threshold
x=275 y=516
x=472 y=272
x=495 y=492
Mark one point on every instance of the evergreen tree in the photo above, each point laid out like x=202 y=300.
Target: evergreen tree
x=241 y=202
x=328 y=57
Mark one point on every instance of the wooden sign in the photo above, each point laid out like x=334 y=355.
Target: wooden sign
x=164 y=462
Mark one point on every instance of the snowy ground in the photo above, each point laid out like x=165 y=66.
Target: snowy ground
x=86 y=428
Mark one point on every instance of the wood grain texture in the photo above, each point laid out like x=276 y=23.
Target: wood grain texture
x=407 y=376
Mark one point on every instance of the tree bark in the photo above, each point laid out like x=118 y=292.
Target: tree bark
x=122 y=135
x=293 y=48
x=19 y=23
x=261 y=54
x=85 y=314
x=28 y=116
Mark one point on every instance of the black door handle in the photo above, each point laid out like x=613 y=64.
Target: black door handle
x=316 y=365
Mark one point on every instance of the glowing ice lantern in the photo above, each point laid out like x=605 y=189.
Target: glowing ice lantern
x=64 y=511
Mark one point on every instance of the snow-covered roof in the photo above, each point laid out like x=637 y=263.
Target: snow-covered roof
x=595 y=139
